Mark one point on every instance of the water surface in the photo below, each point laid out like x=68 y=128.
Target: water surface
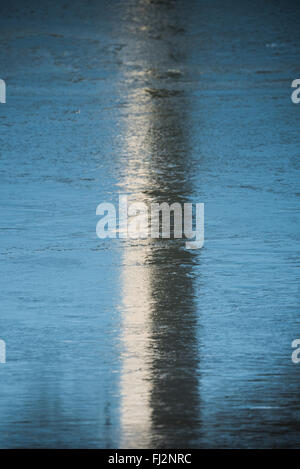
x=120 y=343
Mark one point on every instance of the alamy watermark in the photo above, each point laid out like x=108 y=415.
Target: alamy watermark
x=2 y=91
x=2 y=351
x=138 y=220
x=296 y=352
x=295 y=94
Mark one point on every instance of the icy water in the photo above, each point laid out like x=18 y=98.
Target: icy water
x=125 y=344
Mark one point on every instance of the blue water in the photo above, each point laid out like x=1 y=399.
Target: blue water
x=118 y=343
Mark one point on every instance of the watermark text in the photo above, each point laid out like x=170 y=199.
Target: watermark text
x=296 y=352
x=2 y=91
x=138 y=220
x=2 y=351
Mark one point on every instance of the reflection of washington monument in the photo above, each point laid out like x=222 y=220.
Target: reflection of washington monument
x=159 y=383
